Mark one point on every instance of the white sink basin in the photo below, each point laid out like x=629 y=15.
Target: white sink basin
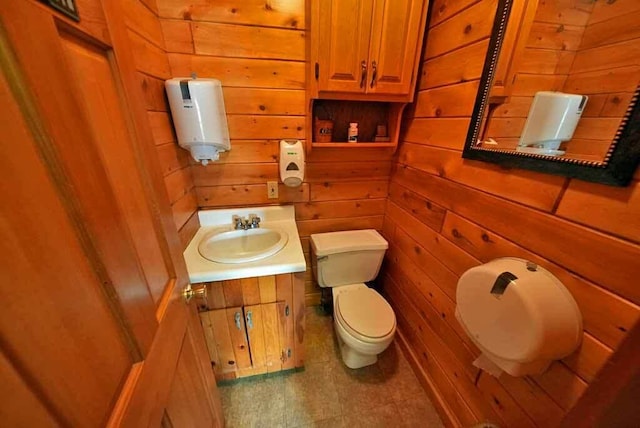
x=242 y=246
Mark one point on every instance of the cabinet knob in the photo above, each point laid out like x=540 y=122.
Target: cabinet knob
x=237 y=319
x=190 y=292
x=374 y=75
x=249 y=319
x=363 y=77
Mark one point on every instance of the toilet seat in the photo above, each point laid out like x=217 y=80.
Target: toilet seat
x=365 y=314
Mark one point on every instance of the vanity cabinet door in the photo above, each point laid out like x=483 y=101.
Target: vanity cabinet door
x=238 y=333
x=396 y=30
x=255 y=333
x=343 y=33
x=219 y=345
x=271 y=337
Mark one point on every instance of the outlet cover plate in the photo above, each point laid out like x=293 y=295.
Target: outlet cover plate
x=272 y=189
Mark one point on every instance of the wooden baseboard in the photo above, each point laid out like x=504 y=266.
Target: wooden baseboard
x=445 y=412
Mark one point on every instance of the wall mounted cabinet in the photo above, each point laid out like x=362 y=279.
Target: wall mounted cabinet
x=254 y=325
x=365 y=48
x=363 y=51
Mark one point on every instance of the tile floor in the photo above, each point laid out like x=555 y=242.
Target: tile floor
x=328 y=394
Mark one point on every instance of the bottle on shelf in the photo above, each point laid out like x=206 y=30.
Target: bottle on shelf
x=352 y=133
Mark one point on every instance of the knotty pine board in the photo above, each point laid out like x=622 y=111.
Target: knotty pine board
x=587 y=235
x=147 y=42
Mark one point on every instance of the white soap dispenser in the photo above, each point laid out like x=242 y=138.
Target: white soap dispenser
x=291 y=162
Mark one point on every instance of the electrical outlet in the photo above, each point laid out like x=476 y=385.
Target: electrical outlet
x=272 y=189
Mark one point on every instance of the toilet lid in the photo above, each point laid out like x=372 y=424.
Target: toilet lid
x=366 y=312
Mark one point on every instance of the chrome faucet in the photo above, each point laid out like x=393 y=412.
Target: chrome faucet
x=241 y=223
x=255 y=221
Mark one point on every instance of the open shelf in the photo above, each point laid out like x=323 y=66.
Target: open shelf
x=368 y=115
x=355 y=145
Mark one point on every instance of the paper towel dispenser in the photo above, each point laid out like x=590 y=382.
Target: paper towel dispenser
x=519 y=315
x=552 y=119
x=199 y=117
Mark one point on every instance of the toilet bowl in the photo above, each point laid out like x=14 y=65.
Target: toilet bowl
x=364 y=322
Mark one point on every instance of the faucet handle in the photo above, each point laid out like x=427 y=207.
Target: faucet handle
x=238 y=221
x=255 y=221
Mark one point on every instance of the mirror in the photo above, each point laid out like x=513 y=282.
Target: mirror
x=559 y=89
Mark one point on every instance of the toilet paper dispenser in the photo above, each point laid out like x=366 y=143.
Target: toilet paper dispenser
x=519 y=315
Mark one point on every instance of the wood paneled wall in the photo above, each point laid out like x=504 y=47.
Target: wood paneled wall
x=445 y=214
x=609 y=54
x=147 y=40
x=257 y=50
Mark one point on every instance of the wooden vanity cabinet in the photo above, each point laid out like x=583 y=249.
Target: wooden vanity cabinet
x=366 y=49
x=254 y=325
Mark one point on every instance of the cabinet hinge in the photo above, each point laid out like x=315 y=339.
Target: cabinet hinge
x=317 y=69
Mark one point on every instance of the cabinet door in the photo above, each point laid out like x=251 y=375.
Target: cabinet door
x=395 y=33
x=226 y=336
x=344 y=28
x=255 y=333
x=238 y=331
x=513 y=45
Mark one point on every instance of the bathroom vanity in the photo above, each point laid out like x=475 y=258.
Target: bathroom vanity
x=251 y=298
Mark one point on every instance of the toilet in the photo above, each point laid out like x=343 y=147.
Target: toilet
x=364 y=321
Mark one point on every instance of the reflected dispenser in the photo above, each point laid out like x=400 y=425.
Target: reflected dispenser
x=552 y=119
x=199 y=117
x=291 y=162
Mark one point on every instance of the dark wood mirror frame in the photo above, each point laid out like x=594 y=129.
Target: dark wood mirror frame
x=616 y=169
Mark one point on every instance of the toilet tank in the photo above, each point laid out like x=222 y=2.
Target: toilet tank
x=349 y=257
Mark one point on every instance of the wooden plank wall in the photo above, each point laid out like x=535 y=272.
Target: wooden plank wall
x=257 y=50
x=609 y=54
x=147 y=41
x=445 y=214
x=545 y=65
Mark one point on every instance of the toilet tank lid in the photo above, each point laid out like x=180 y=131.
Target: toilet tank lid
x=351 y=240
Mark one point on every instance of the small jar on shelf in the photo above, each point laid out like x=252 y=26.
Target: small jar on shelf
x=352 y=133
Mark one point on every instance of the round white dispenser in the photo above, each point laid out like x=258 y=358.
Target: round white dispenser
x=519 y=315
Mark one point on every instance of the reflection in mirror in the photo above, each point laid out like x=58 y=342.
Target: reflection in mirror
x=566 y=93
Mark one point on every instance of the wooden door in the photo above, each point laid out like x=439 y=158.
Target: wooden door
x=344 y=28
x=396 y=30
x=94 y=329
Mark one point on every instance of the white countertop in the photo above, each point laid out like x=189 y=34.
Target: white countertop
x=289 y=259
